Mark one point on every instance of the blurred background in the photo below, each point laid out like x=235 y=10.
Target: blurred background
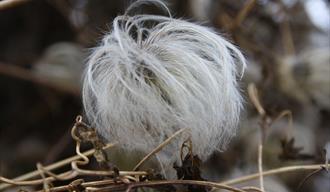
x=45 y=43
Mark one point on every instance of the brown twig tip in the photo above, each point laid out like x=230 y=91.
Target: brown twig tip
x=254 y=97
x=249 y=5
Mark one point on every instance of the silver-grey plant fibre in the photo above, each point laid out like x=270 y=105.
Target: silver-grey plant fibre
x=154 y=75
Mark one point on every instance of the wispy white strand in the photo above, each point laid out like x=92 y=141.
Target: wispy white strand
x=139 y=3
x=153 y=75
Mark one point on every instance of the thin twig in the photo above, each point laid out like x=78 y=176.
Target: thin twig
x=308 y=177
x=182 y=182
x=249 y=5
x=9 y=182
x=89 y=185
x=55 y=176
x=109 y=185
x=69 y=175
x=261 y=177
x=45 y=182
x=287 y=113
x=157 y=149
x=250 y=188
x=253 y=94
x=83 y=160
x=48 y=168
x=287 y=39
x=254 y=97
x=273 y=172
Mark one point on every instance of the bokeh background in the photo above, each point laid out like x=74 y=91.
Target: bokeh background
x=45 y=43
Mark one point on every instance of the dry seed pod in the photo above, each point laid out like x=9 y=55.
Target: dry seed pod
x=154 y=75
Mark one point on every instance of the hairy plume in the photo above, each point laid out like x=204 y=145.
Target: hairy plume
x=153 y=75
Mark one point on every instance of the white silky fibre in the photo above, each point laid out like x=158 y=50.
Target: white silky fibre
x=154 y=75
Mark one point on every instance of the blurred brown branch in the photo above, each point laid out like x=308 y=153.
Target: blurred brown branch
x=27 y=75
x=7 y=4
x=249 y=5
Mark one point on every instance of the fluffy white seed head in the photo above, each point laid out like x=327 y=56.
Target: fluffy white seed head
x=153 y=75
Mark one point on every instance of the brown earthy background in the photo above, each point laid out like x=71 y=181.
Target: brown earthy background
x=45 y=43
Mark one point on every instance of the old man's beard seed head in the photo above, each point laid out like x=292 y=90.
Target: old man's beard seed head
x=154 y=75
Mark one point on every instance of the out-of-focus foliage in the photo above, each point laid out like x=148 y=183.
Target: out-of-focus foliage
x=44 y=44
